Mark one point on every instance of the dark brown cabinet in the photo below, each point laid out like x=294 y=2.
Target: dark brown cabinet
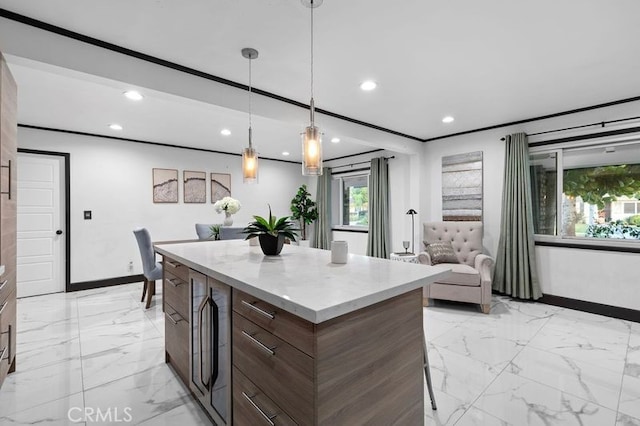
x=8 y=155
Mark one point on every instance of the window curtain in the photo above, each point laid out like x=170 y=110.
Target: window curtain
x=378 y=242
x=321 y=237
x=516 y=271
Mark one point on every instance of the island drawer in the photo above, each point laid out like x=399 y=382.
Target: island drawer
x=283 y=372
x=176 y=293
x=252 y=407
x=7 y=334
x=288 y=327
x=176 y=268
x=176 y=330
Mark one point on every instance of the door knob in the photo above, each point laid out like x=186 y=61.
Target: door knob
x=59 y=232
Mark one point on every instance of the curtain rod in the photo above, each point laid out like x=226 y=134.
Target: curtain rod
x=361 y=162
x=601 y=124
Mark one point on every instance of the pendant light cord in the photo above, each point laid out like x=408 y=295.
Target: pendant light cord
x=311 y=105
x=250 y=100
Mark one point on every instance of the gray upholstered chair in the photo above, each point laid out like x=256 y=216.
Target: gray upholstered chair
x=231 y=233
x=204 y=231
x=470 y=280
x=151 y=269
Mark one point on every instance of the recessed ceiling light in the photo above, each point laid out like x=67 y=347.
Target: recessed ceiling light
x=368 y=85
x=285 y=153
x=447 y=119
x=225 y=132
x=115 y=126
x=133 y=95
x=335 y=140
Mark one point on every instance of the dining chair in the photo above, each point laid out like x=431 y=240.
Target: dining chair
x=151 y=269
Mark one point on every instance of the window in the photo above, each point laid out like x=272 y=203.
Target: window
x=599 y=191
x=351 y=200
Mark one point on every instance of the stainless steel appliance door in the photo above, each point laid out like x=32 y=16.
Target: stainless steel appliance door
x=220 y=398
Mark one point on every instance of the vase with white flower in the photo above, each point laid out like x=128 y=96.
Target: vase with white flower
x=229 y=206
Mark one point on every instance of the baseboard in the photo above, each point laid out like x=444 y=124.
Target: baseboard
x=594 y=308
x=107 y=282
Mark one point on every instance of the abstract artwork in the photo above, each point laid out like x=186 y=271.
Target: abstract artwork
x=220 y=186
x=165 y=186
x=462 y=187
x=195 y=187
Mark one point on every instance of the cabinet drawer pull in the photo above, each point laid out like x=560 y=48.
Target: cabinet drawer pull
x=173 y=265
x=3 y=284
x=261 y=345
x=259 y=410
x=8 y=191
x=172 y=281
x=171 y=318
x=4 y=305
x=270 y=315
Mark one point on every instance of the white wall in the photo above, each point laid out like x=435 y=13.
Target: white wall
x=113 y=179
x=595 y=276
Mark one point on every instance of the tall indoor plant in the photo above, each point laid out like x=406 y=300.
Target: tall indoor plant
x=271 y=232
x=303 y=209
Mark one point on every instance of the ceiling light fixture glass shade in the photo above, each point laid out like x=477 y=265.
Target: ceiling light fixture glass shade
x=249 y=154
x=312 y=137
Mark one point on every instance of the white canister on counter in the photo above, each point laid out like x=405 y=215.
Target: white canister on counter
x=339 y=251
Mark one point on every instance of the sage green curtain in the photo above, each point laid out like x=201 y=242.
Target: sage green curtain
x=321 y=237
x=516 y=271
x=378 y=242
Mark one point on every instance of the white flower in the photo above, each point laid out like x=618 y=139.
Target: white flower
x=227 y=205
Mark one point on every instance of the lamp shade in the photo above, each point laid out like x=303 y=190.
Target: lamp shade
x=312 y=152
x=249 y=165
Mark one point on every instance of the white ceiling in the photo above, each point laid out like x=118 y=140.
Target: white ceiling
x=485 y=63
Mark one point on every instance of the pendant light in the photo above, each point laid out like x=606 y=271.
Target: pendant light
x=312 y=138
x=249 y=154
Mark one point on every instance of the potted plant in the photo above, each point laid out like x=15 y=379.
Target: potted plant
x=229 y=206
x=304 y=209
x=271 y=233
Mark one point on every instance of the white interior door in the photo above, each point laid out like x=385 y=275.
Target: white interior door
x=41 y=242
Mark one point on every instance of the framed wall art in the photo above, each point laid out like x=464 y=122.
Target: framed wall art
x=165 y=185
x=462 y=187
x=220 y=186
x=194 y=187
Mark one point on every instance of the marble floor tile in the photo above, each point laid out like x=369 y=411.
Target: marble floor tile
x=532 y=313
x=113 y=364
x=449 y=411
x=60 y=412
x=475 y=417
x=584 y=343
x=31 y=388
x=624 y=420
x=630 y=397
x=582 y=379
x=36 y=354
x=188 y=414
x=494 y=351
x=520 y=401
x=632 y=365
x=501 y=327
x=571 y=318
x=459 y=375
x=107 y=337
x=147 y=394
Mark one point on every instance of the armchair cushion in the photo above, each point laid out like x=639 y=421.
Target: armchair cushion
x=441 y=252
x=461 y=275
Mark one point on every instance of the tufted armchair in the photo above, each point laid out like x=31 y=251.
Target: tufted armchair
x=470 y=280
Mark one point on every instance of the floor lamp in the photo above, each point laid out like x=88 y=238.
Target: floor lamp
x=412 y=212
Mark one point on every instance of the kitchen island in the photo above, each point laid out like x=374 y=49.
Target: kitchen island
x=295 y=339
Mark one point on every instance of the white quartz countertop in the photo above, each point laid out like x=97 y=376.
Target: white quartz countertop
x=302 y=280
